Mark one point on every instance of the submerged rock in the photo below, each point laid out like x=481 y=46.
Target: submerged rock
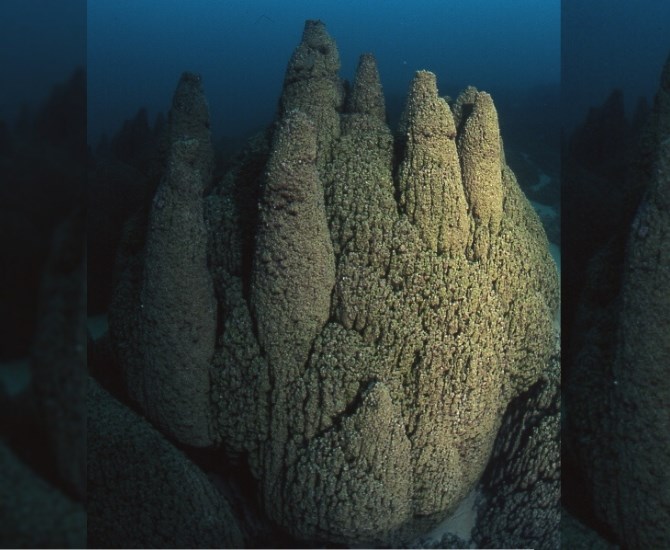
x=520 y=491
x=127 y=507
x=395 y=299
x=34 y=513
x=618 y=389
x=641 y=389
x=165 y=316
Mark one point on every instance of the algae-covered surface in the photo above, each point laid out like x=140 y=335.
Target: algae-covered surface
x=351 y=312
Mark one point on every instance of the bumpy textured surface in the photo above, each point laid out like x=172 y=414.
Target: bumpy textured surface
x=127 y=507
x=366 y=95
x=164 y=311
x=437 y=317
x=34 y=514
x=618 y=391
x=641 y=368
x=521 y=488
x=58 y=362
x=379 y=304
x=575 y=534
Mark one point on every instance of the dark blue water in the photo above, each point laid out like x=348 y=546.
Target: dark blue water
x=608 y=45
x=138 y=49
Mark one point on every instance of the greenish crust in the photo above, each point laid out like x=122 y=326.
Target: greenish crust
x=293 y=275
x=366 y=95
x=361 y=464
x=144 y=493
x=642 y=392
x=294 y=265
x=240 y=379
x=168 y=336
x=519 y=504
x=312 y=85
x=479 y=149
x=35 y=514
x=188 y=119
x=231 y=211
x=359 y=189
x=431 y=186
x=364 y=365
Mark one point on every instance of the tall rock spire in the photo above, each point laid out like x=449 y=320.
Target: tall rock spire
x=313 y=86
x=175 y=315
x=432 y=192
x=366 y=95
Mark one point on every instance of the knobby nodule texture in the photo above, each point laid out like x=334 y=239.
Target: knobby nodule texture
x=618 y=391
x=350 y=311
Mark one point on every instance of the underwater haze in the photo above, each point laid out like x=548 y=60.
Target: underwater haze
x=137 y=50
x=607 y=45
x=41 y=44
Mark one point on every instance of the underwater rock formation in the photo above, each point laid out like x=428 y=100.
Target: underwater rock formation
x=43 y=443
x=379 y=304
x=126 y=508
x=43 y=311
x=123 y=174
x=642 y=392
x=58 y=358
x=521 y=489
x=34 y=513
x=618 y=390
x=171 y=317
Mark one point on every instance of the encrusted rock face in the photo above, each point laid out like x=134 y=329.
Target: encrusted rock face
x=520 y=491
x=433 y=193
x=367 y=96
x=127 y=507
x=163 y=313
x=313 y=86
x=641 y=393
x=395 y=300
x=619 y=390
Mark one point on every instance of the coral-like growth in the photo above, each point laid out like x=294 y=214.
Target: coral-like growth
x=126 y=456
x=165 y=313
x=618 y=389
x=641 y=396
x=377 y=311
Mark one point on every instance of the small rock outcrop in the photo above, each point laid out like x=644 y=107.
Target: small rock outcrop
x=127 y=508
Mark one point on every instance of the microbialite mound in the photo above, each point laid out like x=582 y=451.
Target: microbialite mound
x=349 y=312
x=618 y=390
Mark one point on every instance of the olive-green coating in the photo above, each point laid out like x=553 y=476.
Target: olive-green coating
x=520 y=492
x=432 y=189
x=312 y=85
x=479 y=150
x=294 y=265
x=165 y=322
